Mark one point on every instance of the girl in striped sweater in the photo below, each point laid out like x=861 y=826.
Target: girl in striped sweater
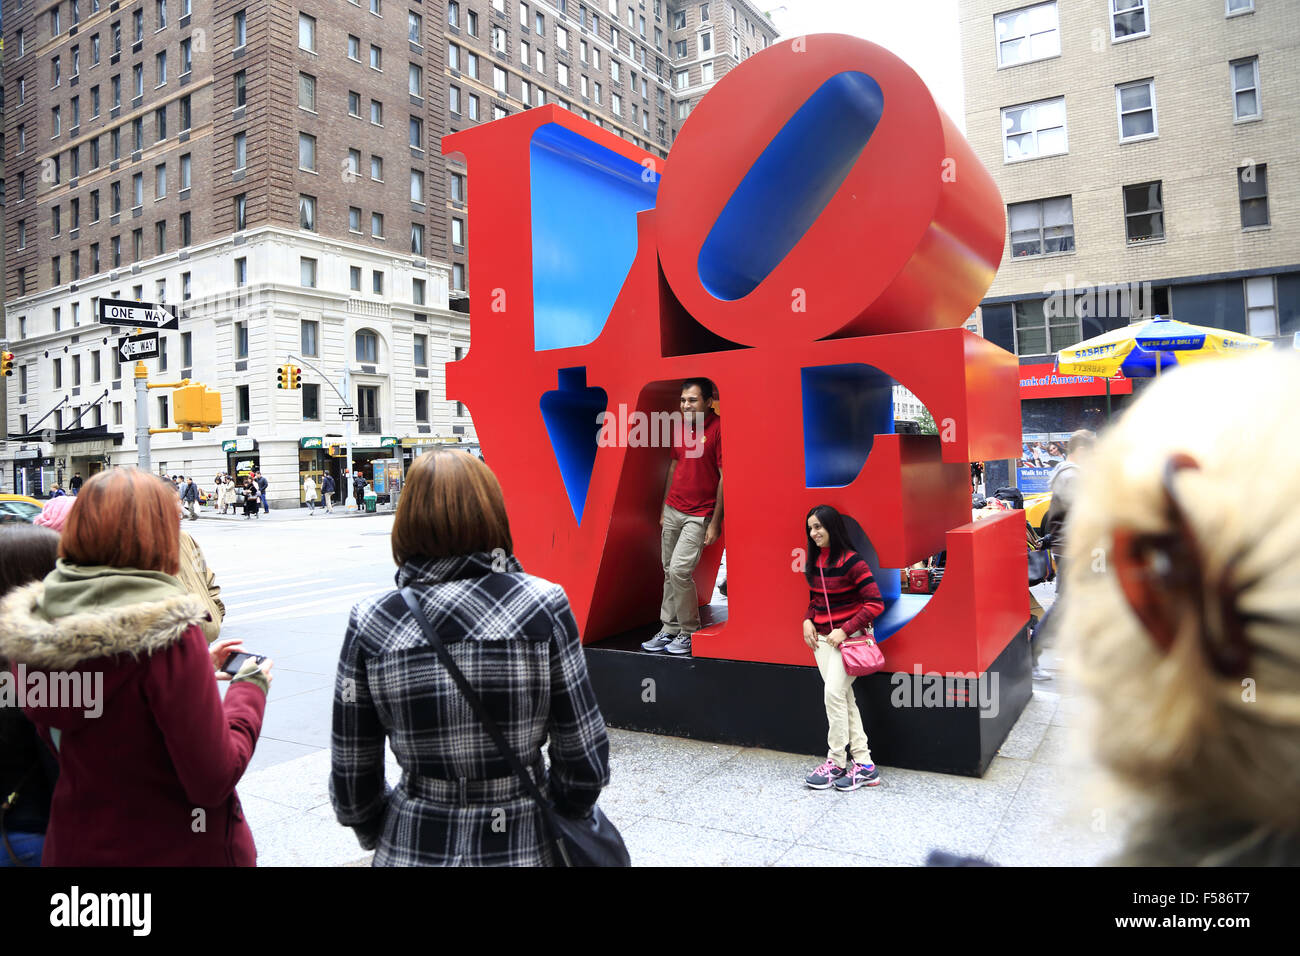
x=843 y=600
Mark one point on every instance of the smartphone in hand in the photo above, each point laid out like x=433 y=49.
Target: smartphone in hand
x=235 y=661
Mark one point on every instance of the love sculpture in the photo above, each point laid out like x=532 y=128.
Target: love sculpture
x=820 y=230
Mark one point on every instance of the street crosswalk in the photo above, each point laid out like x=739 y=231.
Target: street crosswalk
x=253 y=597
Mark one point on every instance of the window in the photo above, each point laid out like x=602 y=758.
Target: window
x=241 y=29
x=187 y=56
x=539 y=24
x=376 y=58
x=56 y=72
x=453 y=99
x=414 y=27
x=471 y=23
x=137 y=80
x=310 y=402
x=377 y=168
x=137 y=133
x=562 y=74
x=160 y=10
x=415 y=80
x=453 y=14
x=680 y=49
x=241 y=150
x=22 y=234
x=1252 y=194
x=375 y=7
x=1032 y=33
x=137 y=24
x=1128 y=19
x=307 y=212
x=561 y=37
x=473 y=107
x=187 y=349
x=615 y=71
x=137 y=189
x=421 y=345
x=458 y=187
x=354 y=104
x=706 y=74
x=307 y=92
x=243 y=407
x=417 y=239
x=55 y=221
x=499 y=39
x=185 y=112
x=186 y=287
x=241 y=211
x=1137 y=110
x=417 y=186
x=539 y=60
x=187 y=232
x=453 y=56
x=499 y=80
x=307 y=152
x=1240 y=6
x=160 y=124
x=56 y=122
x=706 y=42
x=1041 y=227
x=421 y=405
x=417 y=297
x=354 y=48
x=241 y=89
x=376 y=282
x=417 y=133
x=160 y=182
x=1144 y=217
x=1245 y=89
x=1034 y=129
x=471 y=64
x=160 y=237
x=306 y=33
x=307 y=272
x=377 y=225
x=377 y=112
x=367 y=344
x=616 y=104
x=354 y=218
x=310 y=337
x=1037 y=334
x=1261 y=307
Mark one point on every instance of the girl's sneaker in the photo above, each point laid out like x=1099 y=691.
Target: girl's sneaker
x=824 y=776
x=862 y=775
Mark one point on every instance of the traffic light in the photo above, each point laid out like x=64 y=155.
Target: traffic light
x=7 y=362
x=295 y=377
x=196 y=405
x=282 y=376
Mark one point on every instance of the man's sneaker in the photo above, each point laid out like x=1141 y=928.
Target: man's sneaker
x=862 y=775
x=1040 y=674
x=825 y=775
x=682 y=645
x=659 y=641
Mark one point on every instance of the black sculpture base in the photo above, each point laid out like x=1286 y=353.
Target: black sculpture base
x=920 y=722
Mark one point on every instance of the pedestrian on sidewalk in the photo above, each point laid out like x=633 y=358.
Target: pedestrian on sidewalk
x=359 y=489
x=457 y=803
x=327 y=489
x=227 y=497
x=28 y=768
x=75 y=484
x=190 y=497
x=149 y=758
x=261 y=490
x=251 y=502
x=309 y=492
x=844 y=600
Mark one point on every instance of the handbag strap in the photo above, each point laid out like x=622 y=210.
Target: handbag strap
x=474 y=702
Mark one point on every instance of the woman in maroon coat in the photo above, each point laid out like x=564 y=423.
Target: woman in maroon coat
x=115 y=672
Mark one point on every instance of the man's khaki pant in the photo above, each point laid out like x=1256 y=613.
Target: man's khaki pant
x=682 y=543
x=844 y=723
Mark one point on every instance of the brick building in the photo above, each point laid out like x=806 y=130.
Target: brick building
x=1145 y=153
x=273 y=171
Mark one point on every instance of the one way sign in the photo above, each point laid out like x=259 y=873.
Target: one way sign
x=136 y=315
x=138 y=346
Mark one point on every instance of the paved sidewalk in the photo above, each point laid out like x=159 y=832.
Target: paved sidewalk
x=686 y=803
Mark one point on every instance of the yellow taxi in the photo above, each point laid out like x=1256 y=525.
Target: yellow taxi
x=19 y=507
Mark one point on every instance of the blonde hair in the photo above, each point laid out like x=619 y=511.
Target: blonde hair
x=1194 y=741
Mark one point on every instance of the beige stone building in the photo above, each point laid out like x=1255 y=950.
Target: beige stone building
x=1145 y=150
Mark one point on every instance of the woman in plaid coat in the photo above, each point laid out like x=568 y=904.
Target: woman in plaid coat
x=514 y=637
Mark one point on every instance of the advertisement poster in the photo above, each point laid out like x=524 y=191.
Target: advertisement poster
x=1040 y=453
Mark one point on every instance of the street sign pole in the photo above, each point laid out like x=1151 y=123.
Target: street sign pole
x=352 y=503
x=142 y=416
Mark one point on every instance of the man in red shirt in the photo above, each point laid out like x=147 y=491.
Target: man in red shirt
x=691 y=517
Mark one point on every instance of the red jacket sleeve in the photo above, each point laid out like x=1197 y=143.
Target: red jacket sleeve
x=210 y=741
x=872 y=603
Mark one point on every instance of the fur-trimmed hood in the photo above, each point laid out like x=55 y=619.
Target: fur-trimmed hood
x=28 y=637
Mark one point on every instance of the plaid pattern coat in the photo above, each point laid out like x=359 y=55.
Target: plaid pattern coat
x=458 y=804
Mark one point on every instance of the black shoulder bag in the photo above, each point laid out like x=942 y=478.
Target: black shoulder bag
x=593 y=841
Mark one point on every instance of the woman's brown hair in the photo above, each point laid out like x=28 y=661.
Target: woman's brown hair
x=124 y=518
x=451 y=505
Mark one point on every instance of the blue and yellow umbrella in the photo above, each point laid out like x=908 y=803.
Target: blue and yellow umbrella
x=1142 y=350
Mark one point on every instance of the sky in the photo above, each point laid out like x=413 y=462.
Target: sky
x=923 y=33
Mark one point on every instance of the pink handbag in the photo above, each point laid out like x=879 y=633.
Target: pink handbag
x=861 y=653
